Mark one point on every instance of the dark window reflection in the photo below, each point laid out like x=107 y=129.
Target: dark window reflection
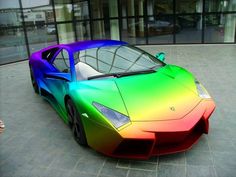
x=133 y=30
x=189 y=6
x=66 y=33
x=63 y=10
x=81 y=9
x=190 y=29
x=157 y=7
x=12 y=45
x=10 y=14
x=161 y=29
x=220 y=5
x=83 y=30
x=37 y=13
x=41 y=36
x=106 y=29
x=104 y=8
x=220 y=28
x=132 y=7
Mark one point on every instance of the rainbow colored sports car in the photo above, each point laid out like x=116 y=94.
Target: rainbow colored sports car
x=120 y=100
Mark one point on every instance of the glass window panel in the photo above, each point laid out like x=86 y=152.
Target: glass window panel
x=100 y=31
x=106 y=29
x=91 y=52
x=90 y=61
x=161 y=29
x=63 y=10
x=190 y=29
x=81 y=11
x=220 y=5
x=83 y=30
x=62 y=62
x=37 y=12
x=12 y=45
x=116 y=70
x=157 y=7
x=130 y=55
x=105 y=56
x=41 y=36
x=132 y=7
x=65 y=33
x=220 y=28
x=189 y=6
x=104 y=8
x=118 y=58
x=122 y=63
x=133 y=30
x=10 y=14
x=145 y=62
x=103 y=67
x=114 y=29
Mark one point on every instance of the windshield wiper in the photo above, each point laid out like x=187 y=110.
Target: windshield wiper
x=118 y=75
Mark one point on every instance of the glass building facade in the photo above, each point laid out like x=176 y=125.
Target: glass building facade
x=29 y=25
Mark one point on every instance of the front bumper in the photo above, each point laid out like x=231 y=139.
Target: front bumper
x=144 y=139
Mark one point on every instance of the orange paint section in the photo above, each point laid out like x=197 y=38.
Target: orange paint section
x=161 y=137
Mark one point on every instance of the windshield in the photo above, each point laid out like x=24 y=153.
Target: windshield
x=112 y=59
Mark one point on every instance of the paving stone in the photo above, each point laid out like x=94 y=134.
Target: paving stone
x=165 y=170
x=68 y=163
x=178 y=158
x=199 y=158
x=225 y=171
x=78 y=174
x=200 y=171
x=35 y=136
x=141 y=173
x=142 y=165
x=110 y=168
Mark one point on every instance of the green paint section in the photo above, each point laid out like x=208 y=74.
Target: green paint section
x=103 y=91
x=160 y=95
x=146 y=96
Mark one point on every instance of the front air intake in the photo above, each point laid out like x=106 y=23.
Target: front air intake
x=130 y=147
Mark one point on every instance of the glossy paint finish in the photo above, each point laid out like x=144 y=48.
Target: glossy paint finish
x=166 y=114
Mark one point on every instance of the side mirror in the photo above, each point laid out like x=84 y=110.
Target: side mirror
x=161 y=56
x=59 y=76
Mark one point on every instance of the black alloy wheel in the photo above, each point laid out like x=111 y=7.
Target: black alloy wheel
x=75 y=123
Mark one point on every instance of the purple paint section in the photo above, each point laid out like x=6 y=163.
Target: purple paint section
x=82 y=45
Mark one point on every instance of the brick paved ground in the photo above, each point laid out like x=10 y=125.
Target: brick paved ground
x=37 y=143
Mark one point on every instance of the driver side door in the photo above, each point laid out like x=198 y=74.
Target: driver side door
x=59 y=86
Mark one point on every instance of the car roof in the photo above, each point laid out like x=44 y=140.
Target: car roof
x=82 y=45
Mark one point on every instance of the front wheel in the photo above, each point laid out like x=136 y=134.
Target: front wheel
x=75 y=123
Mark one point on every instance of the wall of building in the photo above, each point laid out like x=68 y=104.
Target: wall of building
x=27 y=26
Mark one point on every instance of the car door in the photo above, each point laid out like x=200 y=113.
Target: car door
x=57 y=85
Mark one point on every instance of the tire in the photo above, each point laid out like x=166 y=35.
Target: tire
x=33 y=81
x=75 y=123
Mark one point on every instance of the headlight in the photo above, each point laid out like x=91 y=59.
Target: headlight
x=202 y=92
x=116 y=118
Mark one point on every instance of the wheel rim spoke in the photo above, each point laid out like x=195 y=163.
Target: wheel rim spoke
x=74 y=122
x=71 y=112
x=77 y=131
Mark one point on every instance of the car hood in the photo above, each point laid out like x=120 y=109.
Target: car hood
x=169 y=93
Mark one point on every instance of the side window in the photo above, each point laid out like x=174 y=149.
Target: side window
x=62 y=62
x=49 y=54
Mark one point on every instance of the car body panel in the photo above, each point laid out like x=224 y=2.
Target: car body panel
x=156 y=96
x=166 y=113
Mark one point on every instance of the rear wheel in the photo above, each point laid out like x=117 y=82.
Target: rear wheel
x=33 y=81
x=75 y=123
